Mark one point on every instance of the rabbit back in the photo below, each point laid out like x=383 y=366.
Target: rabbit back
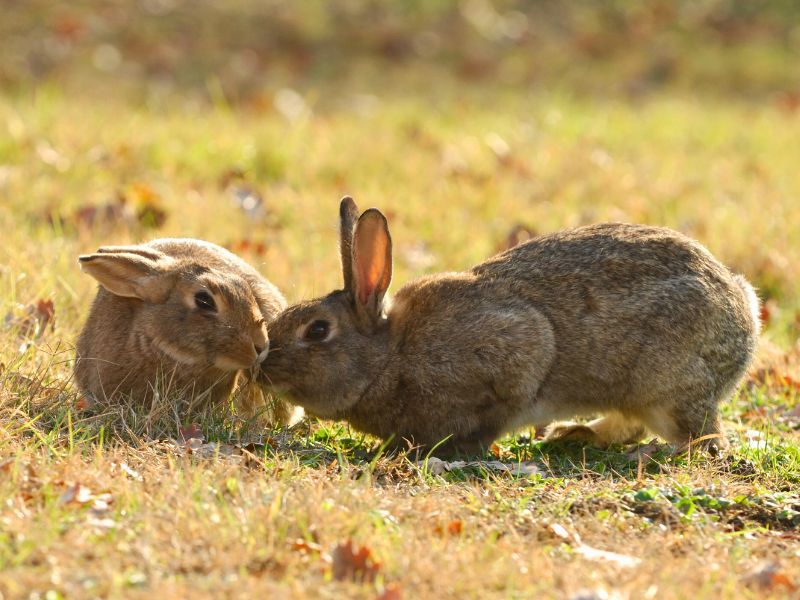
x=647 y=322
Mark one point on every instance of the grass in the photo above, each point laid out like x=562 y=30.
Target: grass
x=116 y=502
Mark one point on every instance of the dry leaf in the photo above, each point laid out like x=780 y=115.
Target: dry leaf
x=455 y=527
x=767 y=311
x=32 y=320
x=76 y=494
x=755 y=439
x=560 y=531
x=245 y=246
x=243 y=195
x=85 y=403
x=130 y=472
x=621 y=560
x=391 y=592
x=768 y=576
x=574 y=540
x=191 y=432
x=358 y=566
x=306 y=547
x=106 y=216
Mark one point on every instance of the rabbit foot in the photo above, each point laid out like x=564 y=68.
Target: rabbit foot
x=570 y=431
x=602 y=432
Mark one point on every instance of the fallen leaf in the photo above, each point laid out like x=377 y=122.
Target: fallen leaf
x=130 y=472
x=104 y=523
x=85 y=403
x=574 y=540
x=767 y=311
x=247 y=199
x=68 y=28
x=455 y=527
x=191 y=432
x=106 y=216
x=230 y=176
x=768 y=576
x=621 y=560
x=755 y=439
x=391 y=592
x=151 y=216
x=245 y=246
x=142 y=193
x=788 y=101
x=75 y=494
x=792 y=416
x=560 y=531
x=306 y=547
x=32 y=320
x=358 y=566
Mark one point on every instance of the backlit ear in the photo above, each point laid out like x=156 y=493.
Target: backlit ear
x=348 y=215
x=131 y=272
x=372 y=262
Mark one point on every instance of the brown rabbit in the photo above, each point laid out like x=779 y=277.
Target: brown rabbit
x=173 y=315
x=638 y=324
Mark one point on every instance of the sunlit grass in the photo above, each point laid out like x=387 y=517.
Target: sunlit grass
x=454 y=175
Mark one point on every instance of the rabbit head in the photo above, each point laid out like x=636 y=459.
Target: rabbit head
x=347 y=328
x=195 y=314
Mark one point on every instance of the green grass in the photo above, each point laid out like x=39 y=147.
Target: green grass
x=111 y=502
x=220 y=524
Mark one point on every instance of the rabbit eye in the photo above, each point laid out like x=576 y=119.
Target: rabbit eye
x=317 y=331
x=204 y=301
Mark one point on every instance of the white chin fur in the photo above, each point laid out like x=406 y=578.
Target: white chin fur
x=262 y=357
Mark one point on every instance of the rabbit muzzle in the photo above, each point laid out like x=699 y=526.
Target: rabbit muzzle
x=246 y=355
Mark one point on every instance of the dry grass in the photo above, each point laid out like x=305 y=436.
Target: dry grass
x=112 y=502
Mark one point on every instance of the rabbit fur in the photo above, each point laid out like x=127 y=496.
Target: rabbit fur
x=173 y=316
x=638 y=324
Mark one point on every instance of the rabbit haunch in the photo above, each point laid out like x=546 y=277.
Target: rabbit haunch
x=638 y=324
x=177 y=316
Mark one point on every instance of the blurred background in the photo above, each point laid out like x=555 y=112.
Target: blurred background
x=473 y=124
x=246 y=49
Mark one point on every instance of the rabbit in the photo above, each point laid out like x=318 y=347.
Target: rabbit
x=640 y=325
x=173 y=315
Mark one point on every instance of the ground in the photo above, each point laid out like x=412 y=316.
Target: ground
x=115 y=501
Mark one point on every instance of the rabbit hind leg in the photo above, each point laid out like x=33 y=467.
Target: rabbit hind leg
x=612 y=428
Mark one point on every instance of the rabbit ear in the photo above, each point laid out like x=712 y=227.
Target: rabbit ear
x=132 y=272
x=348 y=215
x=372 y=263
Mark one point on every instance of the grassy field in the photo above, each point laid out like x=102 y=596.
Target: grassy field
x=114 y=502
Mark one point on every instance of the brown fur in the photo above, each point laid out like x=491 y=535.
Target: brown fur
x=146 y=333
x=639 y=324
